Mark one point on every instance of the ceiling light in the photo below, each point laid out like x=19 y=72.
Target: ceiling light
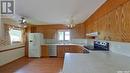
x=70 y=22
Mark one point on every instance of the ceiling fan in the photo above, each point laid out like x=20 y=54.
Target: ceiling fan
x=23 y=22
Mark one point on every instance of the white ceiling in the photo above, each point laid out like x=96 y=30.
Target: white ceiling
x=56 y=11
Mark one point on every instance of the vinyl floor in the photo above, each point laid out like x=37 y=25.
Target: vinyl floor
x=33 y=65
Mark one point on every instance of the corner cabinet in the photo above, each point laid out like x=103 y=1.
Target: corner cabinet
x=62 y=49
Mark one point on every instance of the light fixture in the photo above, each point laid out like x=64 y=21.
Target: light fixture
x=23 y=22
x=70 y=22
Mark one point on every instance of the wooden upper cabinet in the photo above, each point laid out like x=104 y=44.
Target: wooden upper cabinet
x=50 y=31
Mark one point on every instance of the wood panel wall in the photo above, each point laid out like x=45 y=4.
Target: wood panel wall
x=50 y=31
x=114 y=25
x=108 y=6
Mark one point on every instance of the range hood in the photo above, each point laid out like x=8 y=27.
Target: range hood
x=94 y=34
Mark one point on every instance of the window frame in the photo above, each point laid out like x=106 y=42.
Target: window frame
x=64 y=35
x=20 y=36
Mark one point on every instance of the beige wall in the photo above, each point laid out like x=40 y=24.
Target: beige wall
x=7 y=55
x=1 y=30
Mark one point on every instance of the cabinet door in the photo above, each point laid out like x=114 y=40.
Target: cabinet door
x=44 y=51
x=79 y=49
x=67 y=48
x=60 y=51
x=75 y=49
x=72 y=48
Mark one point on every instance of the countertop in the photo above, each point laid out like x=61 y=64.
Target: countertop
x=63 y=44
x=96 y=62
x=11 y=46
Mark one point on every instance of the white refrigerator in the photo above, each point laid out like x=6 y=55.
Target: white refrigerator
x=35 y=42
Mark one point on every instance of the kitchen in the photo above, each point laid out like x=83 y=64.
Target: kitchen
x=84 y=37
x=52 y=32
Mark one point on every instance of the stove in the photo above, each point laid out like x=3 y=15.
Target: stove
x=99 y=46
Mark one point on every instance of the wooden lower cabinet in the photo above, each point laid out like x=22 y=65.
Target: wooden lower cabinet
x=44 y=51
x=62 y=49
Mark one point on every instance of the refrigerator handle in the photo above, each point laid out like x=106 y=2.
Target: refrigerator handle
x=34 y=41
x=30 y=41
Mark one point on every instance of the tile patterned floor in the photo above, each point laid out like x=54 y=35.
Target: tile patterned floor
x=39 y=65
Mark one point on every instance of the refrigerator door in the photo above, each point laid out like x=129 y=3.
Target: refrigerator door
x=35 y=44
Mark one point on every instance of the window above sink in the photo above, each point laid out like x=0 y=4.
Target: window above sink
x=63 y=35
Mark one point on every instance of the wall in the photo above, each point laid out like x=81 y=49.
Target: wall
x=50 y=31
x=1 y=29
x=108 y=6
x=3 y=40
x=4 y=31
x=111 y=21
x=8 y=52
